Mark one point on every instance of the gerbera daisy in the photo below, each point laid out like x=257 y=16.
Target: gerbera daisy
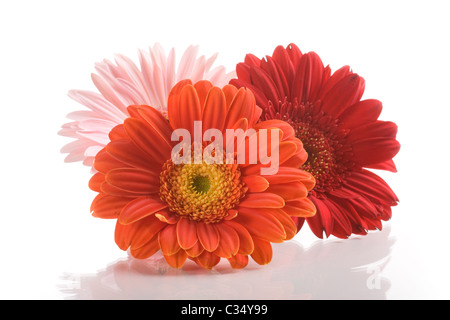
x=201 y=211
x=122 y=84
x=340 y=132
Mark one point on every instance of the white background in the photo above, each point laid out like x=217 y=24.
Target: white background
x=52 y=248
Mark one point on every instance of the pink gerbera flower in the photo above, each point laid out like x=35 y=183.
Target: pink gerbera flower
x=122 y=84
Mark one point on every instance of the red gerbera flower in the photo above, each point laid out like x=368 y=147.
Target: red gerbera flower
x=200 y=211
x=341 y=134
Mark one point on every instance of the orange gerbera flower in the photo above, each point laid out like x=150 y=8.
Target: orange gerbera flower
x=202 y=211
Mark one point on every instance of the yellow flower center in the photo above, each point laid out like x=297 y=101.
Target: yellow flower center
x=201 y=192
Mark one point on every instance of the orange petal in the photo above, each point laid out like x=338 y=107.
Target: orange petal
x=147 y=250
x=95 y=181
x=117 y=133
x=287 y=149
x=290 y=228
x=196 y=250
x=215 y=110
x=126 y=154
x=208 y=236
x=289 y=191
x=111 y=190
x=168 y=240
x=140 y=208
x=242 y=106
x=263 y=251
x=134 y=180
x=148 y=140
x=239 y=261
x=207 y=260
x=104 y=161
x=245 y=239
x=176 y=260
x=156 y=120
x=167 y=217
x=108 y=207
x=288 y=174
x=286 y=128
x=262 y=200
x=203 y=87
x=145 y=229
x=304 y=208
x=255 y=183
x=173 y=104
x=229 y=91
x=261 y=223
x=229 y=241
x=190 y=109
x=187 y=233
x=137 y=234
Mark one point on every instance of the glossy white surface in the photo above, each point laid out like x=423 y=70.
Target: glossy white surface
x=53 y=249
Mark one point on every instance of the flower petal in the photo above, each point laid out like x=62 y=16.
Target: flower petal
x=263 y=251
x=262 y=200
x=187 y=233
x=168 y=240
x=177 y=259
x=261 y=223
x=208 y=236
x=140 y=208
x=229 y=241
x=134 y=180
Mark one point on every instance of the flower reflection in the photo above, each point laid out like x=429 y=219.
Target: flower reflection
x=327 y=269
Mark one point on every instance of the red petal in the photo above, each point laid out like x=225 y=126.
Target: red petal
x=388 y=165
x=346 y=92
x=375 y=150
x=322 y=221
x=361 y=112
x=384 y=129
x=372 y=186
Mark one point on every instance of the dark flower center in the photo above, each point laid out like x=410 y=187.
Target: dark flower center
x=329 y=155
